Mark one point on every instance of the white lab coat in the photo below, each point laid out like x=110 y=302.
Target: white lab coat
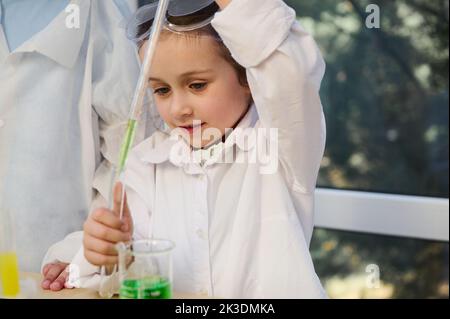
x=240 y=233
x=64 y=98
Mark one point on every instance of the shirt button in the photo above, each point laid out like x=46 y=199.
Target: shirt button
x=2 y=123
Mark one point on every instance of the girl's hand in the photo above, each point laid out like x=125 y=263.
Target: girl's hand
x=104 y=229
x=55 y=276
x=223 y=3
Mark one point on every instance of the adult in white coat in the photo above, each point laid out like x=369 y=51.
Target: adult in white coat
x=66 y=86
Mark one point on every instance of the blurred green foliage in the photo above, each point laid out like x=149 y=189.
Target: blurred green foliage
x=385 y=97
x=385 y=94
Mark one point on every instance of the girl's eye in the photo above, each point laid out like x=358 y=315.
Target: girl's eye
x=162 y=91
x=198 y=86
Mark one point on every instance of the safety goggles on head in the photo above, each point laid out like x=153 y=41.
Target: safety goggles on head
x=181 y=16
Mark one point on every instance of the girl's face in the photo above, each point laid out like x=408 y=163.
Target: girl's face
x=195 y=88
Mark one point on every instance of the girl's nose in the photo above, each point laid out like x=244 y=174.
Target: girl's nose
x=180 y=108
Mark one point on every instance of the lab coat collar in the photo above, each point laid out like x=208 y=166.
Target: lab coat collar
x=178 y=151
x=57 y=41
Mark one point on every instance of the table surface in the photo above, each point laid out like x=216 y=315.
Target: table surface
x=81 y=293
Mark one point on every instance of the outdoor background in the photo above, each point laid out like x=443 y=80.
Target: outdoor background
x=386 y=100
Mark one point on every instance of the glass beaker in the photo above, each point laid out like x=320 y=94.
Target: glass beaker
x=9 y=269
x=145 y=269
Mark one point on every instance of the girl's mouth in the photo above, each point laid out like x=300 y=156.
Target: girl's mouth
x=192 y=128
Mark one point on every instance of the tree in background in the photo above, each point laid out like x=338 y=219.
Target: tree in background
x=385 y=94
x=385 y=97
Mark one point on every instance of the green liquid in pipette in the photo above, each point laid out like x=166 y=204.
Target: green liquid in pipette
x=127 y=143
x=147 y=288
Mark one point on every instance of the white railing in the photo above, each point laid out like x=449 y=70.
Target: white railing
x=383 y=214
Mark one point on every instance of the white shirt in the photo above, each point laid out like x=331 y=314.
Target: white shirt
x=240 y=233
x=64 y=98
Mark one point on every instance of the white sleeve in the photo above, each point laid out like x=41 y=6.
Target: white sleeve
x=284 y=69
x=64 y=250
x=82 y=274
x=115 y=71
x=70 y=250
x=138 y=181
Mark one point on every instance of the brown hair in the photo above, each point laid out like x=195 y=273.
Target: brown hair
x=207 y=30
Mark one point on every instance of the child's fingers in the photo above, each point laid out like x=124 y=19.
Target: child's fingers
x=126 y=214
x=126 y=209
x=100 y=231
x=118 y=199
x=60 y=282
x=126 y=218
x=99 y=259
x=127 y=223
x=100 y=246
x=46 y=269
x=53 y=272
x=107 y=218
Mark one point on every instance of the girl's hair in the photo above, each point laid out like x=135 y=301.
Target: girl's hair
x=207 y=30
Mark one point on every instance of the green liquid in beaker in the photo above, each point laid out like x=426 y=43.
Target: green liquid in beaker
x=147 y=288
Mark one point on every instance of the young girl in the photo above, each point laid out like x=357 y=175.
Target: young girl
x=241 y=231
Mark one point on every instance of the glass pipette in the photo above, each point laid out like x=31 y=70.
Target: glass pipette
x=106 y=290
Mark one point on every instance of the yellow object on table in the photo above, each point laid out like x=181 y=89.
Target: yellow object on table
x=9 y=274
